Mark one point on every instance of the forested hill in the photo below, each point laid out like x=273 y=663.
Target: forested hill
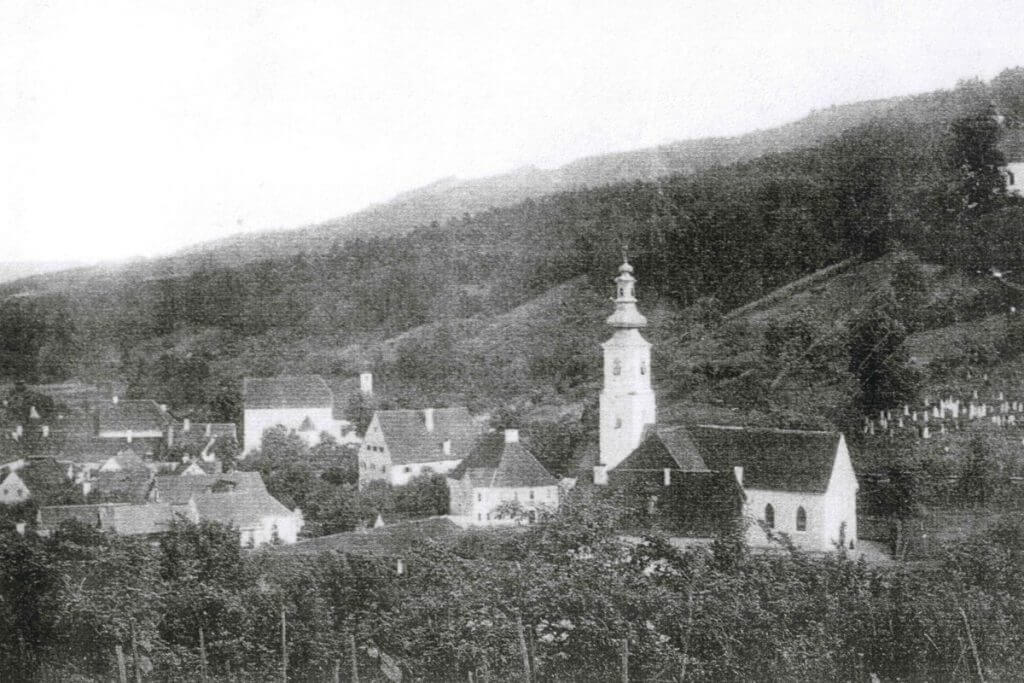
x=702 y=243
x=452 y=198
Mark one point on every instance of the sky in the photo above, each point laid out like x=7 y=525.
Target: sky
x=136 y=128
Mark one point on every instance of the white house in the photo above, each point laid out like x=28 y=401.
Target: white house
x=402 y=444
x=798 y=482
x=498 y=474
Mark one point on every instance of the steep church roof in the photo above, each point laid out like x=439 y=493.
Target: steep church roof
x=298 y=391
x=409 y=441
x=664 y=447
x=772 y=459
x=496 y=463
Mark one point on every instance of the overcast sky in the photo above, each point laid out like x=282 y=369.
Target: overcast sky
x=135 y=128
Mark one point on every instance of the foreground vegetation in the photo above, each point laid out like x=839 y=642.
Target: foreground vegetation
x=567 y=601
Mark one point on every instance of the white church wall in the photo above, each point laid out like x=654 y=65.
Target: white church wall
x=841 y=498
x=258 y=421
x=785 y=505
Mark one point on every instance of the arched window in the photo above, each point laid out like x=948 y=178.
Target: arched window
x=616 y=366
x=769 y=516
x=801 y=519
x=618 y=423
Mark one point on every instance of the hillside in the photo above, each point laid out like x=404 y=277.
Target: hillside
x=452 y=198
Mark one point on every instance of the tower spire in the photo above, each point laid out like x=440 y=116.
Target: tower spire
x=626 y=315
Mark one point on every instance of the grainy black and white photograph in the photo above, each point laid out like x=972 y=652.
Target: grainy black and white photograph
x=511 y=341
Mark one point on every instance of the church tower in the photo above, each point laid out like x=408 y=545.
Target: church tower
x=627 y=399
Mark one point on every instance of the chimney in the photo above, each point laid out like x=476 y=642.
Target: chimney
x=925 y=434
x=428 y=419
x=600 y=475
x=186 y=425
x=18 y=431
x=209 y=429
x=46 y=431
x=114 y=399
x=446 y=447
x=738 y=473
x=366 y=383
x=163 y=407
x=129 y=437
x=20 y=528
x=511 y=436
x=86 y=487
x=667 y=477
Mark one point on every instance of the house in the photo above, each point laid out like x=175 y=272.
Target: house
x=1011 y=145
x=500 y=483
x=402 y=444
x=693 y=479
x=197 y=467
x=143 y=423
x=40 y=479
x=302 y=403
x=130 y=485
x=235 y=498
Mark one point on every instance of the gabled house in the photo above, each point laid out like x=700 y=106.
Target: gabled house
x=208 y=441
x=301 y=403
x=501 y=483
x=402 y=444
x=123 y=519
x=235 y=498
x=142 y=423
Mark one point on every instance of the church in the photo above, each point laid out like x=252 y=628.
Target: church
x=690 y=478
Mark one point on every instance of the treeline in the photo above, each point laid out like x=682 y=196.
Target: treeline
x=563 y=601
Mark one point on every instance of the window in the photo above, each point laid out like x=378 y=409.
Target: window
x=479 y=496
x=769 y=516
x=643 y=367
x=801 y=519
x=616 y=367
x=618 y=423
x=408 y=469
x=479 y=517
x=531 y=494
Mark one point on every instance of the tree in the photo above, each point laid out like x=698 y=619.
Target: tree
x=878 y=357
x=910 y=289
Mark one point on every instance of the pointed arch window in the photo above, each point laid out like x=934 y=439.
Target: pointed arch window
x=801 y=519
x=616 y=367
x=769 y=516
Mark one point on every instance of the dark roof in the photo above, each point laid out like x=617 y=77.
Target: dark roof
x=409 y=441
x=138 y=416
x=177 y=490
x=243 y=509
x=774 y=459
x=392 y=540
x=81 y=450
x=121 y=518
x=52 y=516
x=495 y=463
x=299 y=391
x=131 y=485
x=694 y=504
x=664 y=447
x=44 y=477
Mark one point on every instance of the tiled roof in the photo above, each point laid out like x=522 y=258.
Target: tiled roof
x=664 y=447
x=82 y=450
x=774 y=459
x=299 y=391
x=138 y=416
x=408 y=440
x=52 y=516
x=134 y=520
x=243 y=509
x=209 y=467
x=391 y=540
x=494 y=463
x=177 y=490
x=197 y=431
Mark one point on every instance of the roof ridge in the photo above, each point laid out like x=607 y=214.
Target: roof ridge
x=773 y=430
